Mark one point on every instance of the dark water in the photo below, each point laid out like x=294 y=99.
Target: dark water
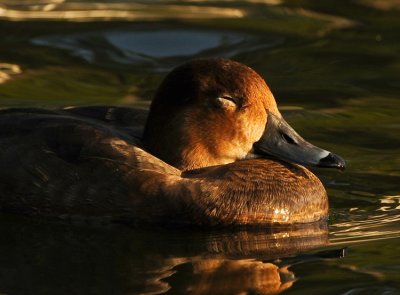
x=334 y=67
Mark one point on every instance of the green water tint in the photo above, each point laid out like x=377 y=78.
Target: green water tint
x=334 y=68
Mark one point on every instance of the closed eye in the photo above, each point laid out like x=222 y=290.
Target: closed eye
x=226 y=101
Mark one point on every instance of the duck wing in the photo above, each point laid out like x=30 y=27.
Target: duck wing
x=130 y=120
x=55 y=164
x=116 y=116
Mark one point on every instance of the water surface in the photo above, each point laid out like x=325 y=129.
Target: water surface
x=334 y=67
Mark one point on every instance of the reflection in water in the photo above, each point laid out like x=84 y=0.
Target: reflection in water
x=7 y=70
x=364 y=225
x=381 y=4
x=238 y=277
x=91 y=11
x=163 y=43
x=132 y=47
x=335 y=22
x=154 y=48
x=120 y=260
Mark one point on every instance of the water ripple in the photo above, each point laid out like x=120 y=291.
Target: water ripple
x=74 y=11
x=380 y=223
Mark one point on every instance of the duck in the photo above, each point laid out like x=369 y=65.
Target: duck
x=212 y=150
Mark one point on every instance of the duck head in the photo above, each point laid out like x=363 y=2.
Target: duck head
x=216 y=111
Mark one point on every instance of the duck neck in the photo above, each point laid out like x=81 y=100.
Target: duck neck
x=179 y=153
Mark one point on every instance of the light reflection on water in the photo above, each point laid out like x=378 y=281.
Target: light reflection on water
x=7 y=71
x=90 y=11
x=369 y=225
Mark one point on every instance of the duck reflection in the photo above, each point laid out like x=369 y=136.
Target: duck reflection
x=244 y=262
x=224 y=276
x=62 y=258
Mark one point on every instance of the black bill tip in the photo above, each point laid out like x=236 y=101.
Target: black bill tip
x=332 y=161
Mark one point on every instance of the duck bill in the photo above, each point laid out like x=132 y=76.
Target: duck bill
x=281 y=141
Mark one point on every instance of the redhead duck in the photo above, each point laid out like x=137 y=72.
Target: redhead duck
x=212 y=150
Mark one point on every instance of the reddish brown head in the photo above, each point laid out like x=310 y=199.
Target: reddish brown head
x=209 y=112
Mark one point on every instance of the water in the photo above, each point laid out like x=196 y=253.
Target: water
x=334 y=68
